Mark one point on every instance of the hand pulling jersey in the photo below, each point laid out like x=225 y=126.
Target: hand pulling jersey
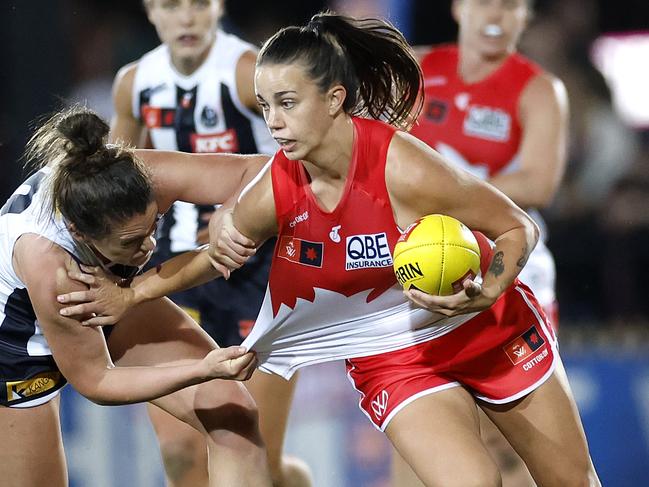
x=332 y=292
x=196 y=113
x=476 y=127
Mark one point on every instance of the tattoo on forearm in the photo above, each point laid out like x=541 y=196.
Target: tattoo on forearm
x=523 y=260
x=497 y=266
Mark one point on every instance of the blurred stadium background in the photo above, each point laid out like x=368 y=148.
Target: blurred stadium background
x=57 y=52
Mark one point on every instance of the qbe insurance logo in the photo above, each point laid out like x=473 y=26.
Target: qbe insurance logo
x=367 y=251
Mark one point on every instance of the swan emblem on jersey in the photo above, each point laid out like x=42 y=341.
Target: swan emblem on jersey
x=334 y=235
x=462 y=101
x=380 y=403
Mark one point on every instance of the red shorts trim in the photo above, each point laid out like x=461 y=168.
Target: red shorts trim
x=500 y=355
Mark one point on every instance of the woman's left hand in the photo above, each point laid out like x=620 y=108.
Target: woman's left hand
x=229 y=249
x=104 y=301
x=471 y=299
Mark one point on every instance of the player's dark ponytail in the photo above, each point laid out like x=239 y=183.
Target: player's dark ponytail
x=369 y=57
x=92 y=184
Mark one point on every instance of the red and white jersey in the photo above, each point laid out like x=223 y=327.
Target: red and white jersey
x=332 y=292
x=474 y=125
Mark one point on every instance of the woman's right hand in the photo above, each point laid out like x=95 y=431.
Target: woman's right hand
x=229 y=249
x=233 y=363
x=104 y=301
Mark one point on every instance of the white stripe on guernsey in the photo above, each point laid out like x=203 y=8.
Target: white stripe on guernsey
x=23 y=189
x=183 y=232
x=37 y=345
x=163 y=138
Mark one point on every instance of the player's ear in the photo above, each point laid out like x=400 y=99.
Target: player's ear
x=148 y=8
x=76 y=233
x=336 y=96
x=456 y=10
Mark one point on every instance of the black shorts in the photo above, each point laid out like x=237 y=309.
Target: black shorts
x=226 y=310
x=27 y=381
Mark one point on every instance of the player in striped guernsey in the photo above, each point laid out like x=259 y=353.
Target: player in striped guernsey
x=94 y=204
x=194 y=93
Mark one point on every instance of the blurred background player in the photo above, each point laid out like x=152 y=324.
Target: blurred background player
x=194 y=93
x=501 y=117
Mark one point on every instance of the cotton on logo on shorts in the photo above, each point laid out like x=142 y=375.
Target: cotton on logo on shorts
x=380 y=404
x=524 y=346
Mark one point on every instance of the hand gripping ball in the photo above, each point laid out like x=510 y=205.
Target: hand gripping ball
x=436 y=254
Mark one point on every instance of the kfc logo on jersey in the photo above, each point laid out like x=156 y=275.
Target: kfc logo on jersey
x=380 y=404
x=487 y=123
x=525 y=345
x=301 y=251
x=220 y=142
x=366 y=251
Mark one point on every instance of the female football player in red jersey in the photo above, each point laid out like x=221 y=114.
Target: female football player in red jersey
x=95 y=204
x=195 y=93
x=494 y=113
x=345 y=182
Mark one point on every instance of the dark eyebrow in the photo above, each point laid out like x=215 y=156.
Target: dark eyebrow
x=131 y=240
x=282 y=93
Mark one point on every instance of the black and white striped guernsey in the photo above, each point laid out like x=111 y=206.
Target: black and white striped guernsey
x=201 y=112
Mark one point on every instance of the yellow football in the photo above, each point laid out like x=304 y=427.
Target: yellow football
x=436 y=254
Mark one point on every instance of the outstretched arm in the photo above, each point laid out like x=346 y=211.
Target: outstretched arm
x=221 y=178
x=102 y=302
x=81 y=352
x=204 y=179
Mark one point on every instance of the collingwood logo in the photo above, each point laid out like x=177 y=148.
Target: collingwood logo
x=366 y=251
